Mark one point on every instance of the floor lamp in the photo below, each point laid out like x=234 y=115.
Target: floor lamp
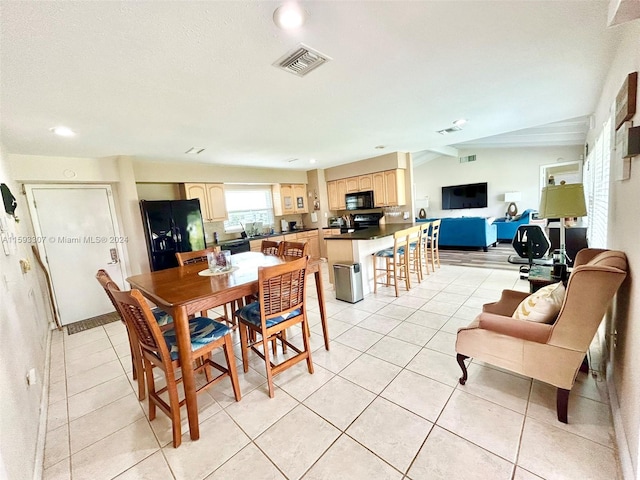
x=562 y=201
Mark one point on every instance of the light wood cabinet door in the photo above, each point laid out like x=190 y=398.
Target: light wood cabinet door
x=255 y=245
x=217 y=202
x=342 y=191
x=288 y=200
x=352 y=185
x=365 y=183
x=394 y=183
x=332 y=193
x=314 y=247
x=300 y=198
x=199 y=191
x=379 y=189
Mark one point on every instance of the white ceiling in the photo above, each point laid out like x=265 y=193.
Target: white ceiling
x=153 y=79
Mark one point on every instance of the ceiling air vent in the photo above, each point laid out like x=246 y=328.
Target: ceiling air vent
x=468 y=158
x=301 y=60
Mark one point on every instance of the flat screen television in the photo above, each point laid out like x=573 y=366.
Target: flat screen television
x=473 y=195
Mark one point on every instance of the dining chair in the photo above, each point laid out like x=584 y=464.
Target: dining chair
x=197 y=256
x=200 y=256
x=163 y=320
x=432 y=244
x=425 y=229
x=293 y=249
x=269 y=247
x=414 y=237
x=281 y=305
x=160 y=349
x=395 y=263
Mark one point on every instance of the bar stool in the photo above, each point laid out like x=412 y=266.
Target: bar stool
x=424 y=247
x=432 y=244
x=395 y=263
x=414 y=260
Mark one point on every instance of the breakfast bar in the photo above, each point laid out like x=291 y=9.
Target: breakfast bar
x=358 y=246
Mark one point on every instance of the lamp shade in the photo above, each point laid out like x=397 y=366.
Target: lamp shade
x=561 y=201
x=513 y=196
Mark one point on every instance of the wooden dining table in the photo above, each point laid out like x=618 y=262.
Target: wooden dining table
x=182 y=291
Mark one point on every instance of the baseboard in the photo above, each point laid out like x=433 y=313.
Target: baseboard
x=38 y=467
x=618 y=427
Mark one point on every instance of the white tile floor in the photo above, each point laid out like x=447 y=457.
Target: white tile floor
x=383 y=403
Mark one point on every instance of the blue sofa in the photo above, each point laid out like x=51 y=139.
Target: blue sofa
x=474 y=232
x=507 y=228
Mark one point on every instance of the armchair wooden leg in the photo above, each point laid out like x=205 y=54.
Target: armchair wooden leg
x=461 y=358
x=562 y=404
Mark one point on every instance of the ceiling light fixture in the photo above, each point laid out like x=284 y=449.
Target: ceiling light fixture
x=289 y=16
x=62 y=131
x=379 y=147
x=312 y=160
x=460 y=122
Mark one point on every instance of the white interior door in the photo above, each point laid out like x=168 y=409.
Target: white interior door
x=80 y=236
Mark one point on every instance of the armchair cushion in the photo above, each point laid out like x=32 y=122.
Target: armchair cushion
x=542 y=306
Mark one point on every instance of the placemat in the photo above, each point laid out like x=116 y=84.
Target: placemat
x=209 y=273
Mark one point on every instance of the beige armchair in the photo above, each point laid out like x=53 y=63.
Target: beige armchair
x=550 y=353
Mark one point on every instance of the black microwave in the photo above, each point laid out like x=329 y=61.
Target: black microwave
x=359 y=201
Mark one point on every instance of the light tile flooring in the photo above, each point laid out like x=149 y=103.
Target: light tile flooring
x=384 y=402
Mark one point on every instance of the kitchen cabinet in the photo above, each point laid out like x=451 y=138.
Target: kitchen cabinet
x=365 y=183
x=212 y=201
x=352 y=184
x=289 y=199
x=336 y=190
x=394 y=185
x=256 y=245
x=379 y=189
x=311 y=238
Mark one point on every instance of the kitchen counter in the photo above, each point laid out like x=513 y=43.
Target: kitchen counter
x=359 y=247
x=372 y=233
x=221 y=243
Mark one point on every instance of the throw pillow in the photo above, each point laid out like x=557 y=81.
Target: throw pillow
x=542 y=306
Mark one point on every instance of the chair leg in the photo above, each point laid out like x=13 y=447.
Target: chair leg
x=307 y=345
x=461 y=358
x=562 y=404
x=231 y=366
x=243 y=345
x=267 y=363
x=174 y=405
x=151 y=387
x=138 y=367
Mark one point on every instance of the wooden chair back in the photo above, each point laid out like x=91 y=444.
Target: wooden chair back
x=294 y=249
x=197 y=256
x=138 y=317
x=107 y=283
x=269 y=247
x=282 y=288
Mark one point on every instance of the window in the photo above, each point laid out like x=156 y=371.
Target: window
x=248 y=204
x=596 y=183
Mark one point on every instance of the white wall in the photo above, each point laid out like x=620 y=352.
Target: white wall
x=504 y=169
x=24 y=332
x=624 y=234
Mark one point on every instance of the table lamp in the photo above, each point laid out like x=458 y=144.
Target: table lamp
x=562 y=201
x=511 y=198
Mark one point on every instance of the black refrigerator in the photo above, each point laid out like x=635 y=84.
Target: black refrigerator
x=171 y=226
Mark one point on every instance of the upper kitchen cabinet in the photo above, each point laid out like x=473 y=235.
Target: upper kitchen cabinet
x=289 y=199
x=353 y=185
x=336 y=191
x=212 y=201
x=365 y=183
x=394 y=184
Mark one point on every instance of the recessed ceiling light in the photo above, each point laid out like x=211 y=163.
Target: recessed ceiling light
x=379 y=147
x=289 y=16
x=460 y=122
x=312 y=160
x=449 y=130
x=62 y=131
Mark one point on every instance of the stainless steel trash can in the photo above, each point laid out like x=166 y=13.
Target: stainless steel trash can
x=348 y=281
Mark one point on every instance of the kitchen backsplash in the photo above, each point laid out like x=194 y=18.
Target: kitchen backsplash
x=211 y=227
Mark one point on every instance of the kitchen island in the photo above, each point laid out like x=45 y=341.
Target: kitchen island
x=358 y=246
